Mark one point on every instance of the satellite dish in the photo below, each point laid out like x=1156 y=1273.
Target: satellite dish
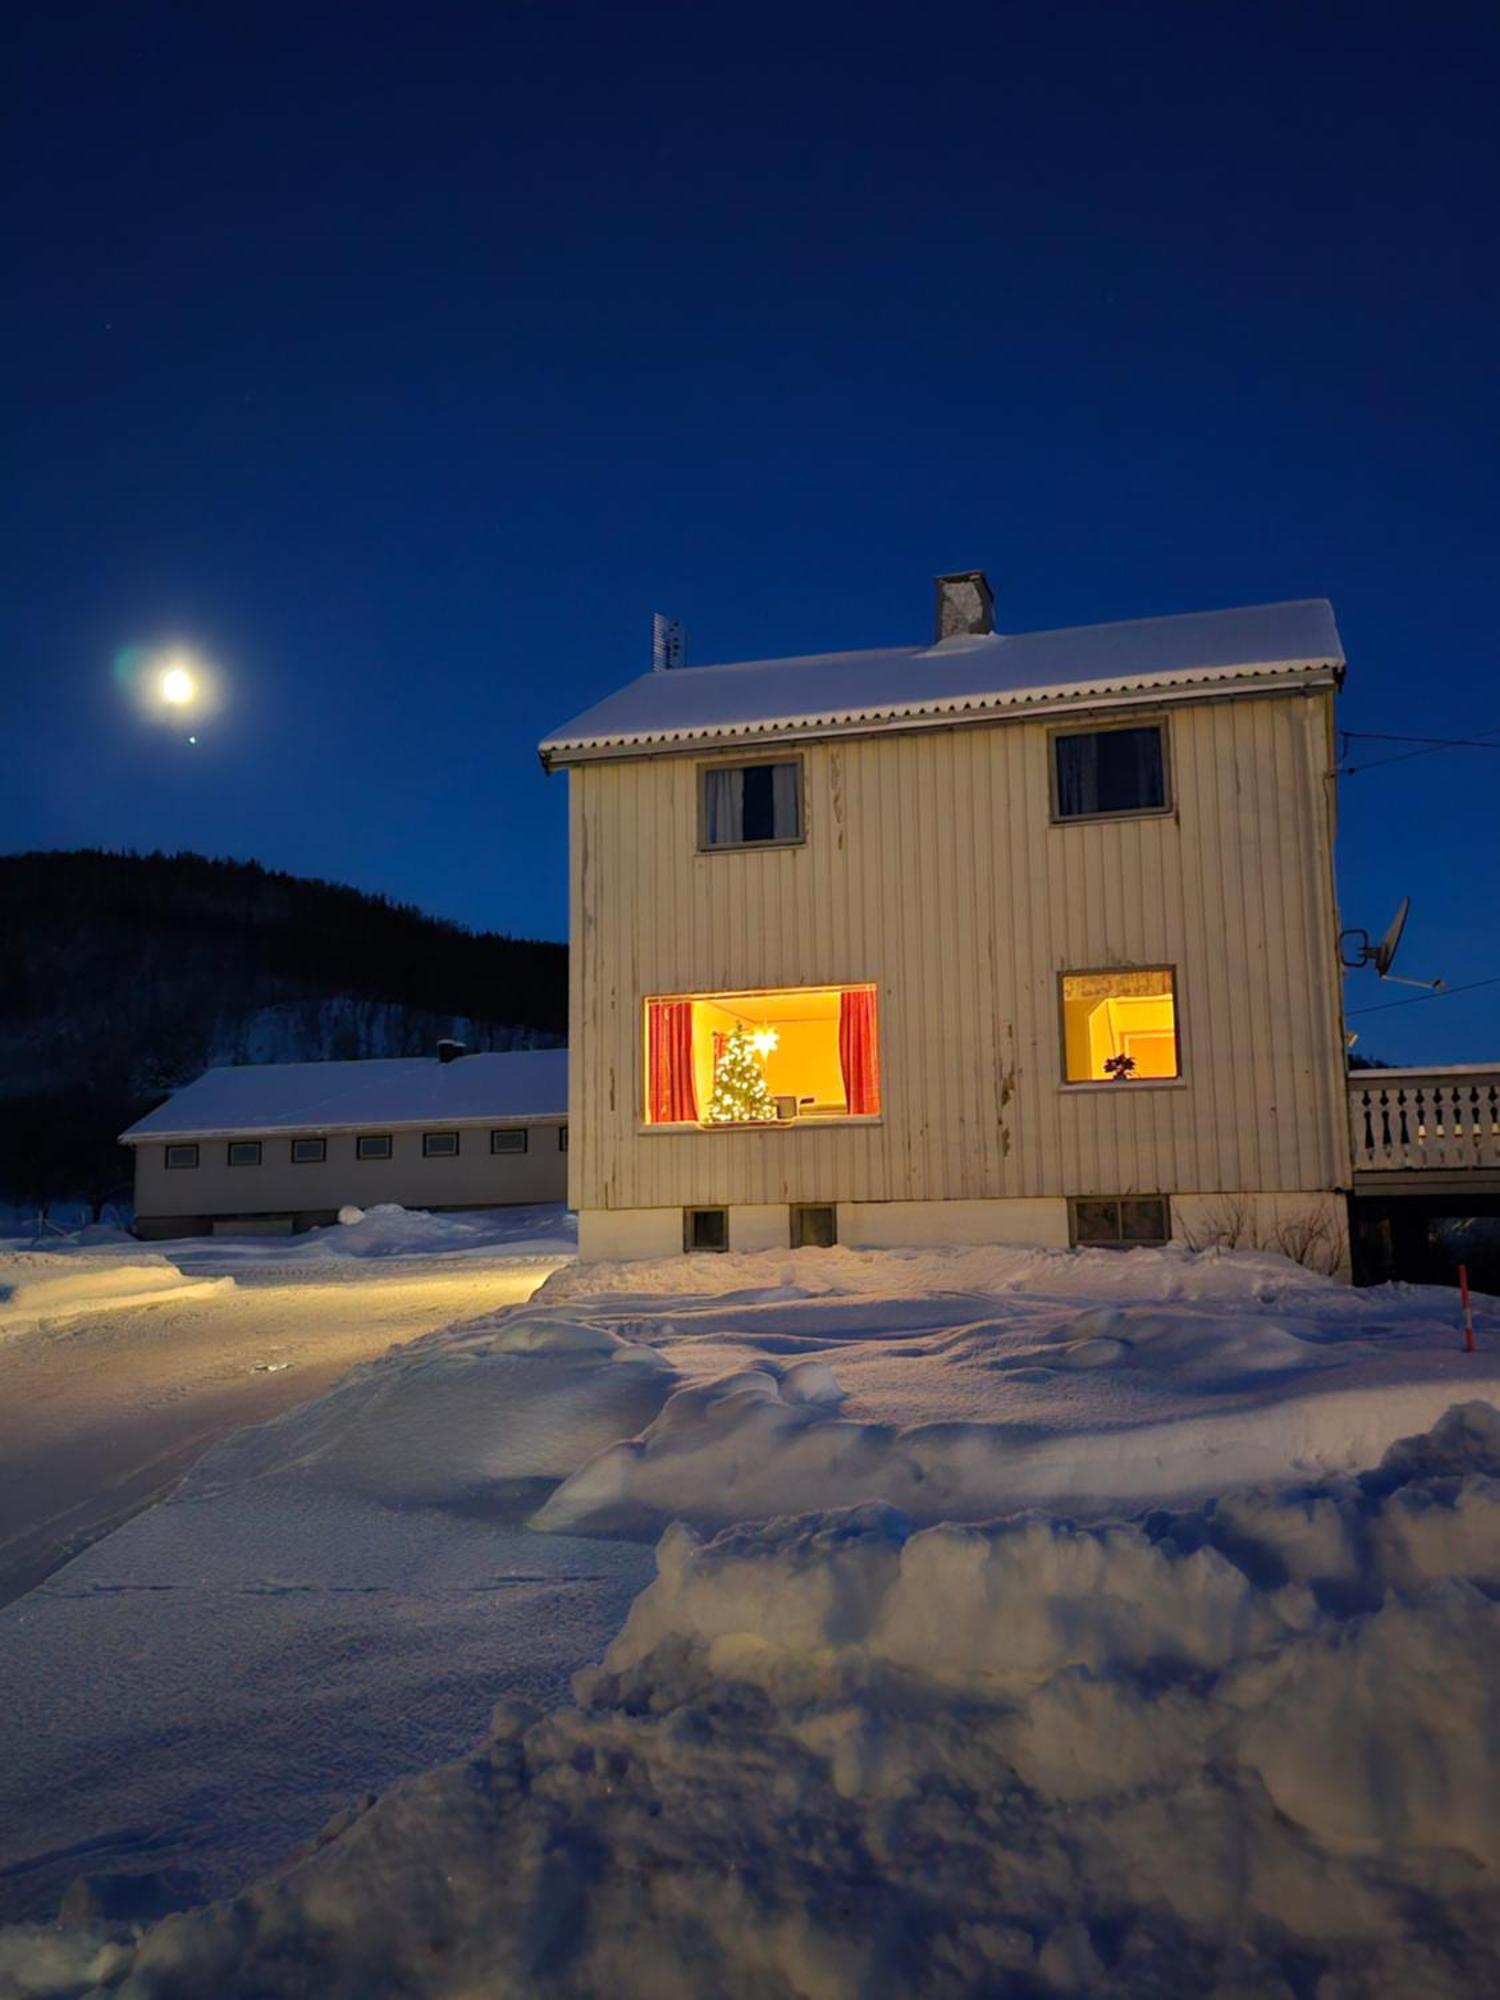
x=1384 y=955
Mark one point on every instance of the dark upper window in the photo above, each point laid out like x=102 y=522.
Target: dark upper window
x=749 y=805
x=373 y=1146
x=182 y=1156
x=1110 y=771
x=244 y=1152
x=439 y=1145
x=309 y=1152
x=511 y=1140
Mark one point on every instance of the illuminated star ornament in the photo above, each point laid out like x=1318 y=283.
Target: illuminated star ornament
x=170 y=684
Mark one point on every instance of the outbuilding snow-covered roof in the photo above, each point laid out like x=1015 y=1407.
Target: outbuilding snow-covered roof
x=966 y=678
x=381 y=1095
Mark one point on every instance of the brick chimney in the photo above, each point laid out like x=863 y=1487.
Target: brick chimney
x=965 y=605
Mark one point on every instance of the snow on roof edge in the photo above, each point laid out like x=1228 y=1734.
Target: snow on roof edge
x=561 y=749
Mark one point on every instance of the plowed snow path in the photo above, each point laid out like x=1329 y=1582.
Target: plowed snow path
x=99 y=1416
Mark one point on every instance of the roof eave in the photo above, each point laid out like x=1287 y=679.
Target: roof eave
x=1212 y=683
x=437 y=1121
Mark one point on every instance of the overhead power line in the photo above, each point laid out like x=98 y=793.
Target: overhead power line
x=1447 y=993
x=1430 y=745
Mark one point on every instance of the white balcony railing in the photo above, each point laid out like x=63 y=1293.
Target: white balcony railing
x=1404 y=1120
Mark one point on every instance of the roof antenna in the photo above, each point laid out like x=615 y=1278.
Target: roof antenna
x=1383 y=955
x=666 y=643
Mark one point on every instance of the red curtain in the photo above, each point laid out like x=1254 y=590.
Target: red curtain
x=673 y=1099
x=859 y=1058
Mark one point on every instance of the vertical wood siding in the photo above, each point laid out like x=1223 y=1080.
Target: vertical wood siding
x=931 y=867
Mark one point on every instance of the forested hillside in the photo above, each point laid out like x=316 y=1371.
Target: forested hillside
x=123 y=975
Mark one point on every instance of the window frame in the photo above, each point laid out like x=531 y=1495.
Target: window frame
x=826 y=1123
x=798 y=1209
x=692 y=1249
x=170 y=1147
x=318 y=1159
x=1153 y=720
x=431 y=1152
x=509 y=1132
x=231 y=1146
x=362 y=1139
x=741 y=762
x=1121 y=1241
x=1108 y=1082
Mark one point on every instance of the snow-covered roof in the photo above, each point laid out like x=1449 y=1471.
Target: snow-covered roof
x=385 y=1094
x=960 y=679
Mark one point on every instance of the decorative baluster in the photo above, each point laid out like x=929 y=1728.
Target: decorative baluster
x=1365 y=1102
x=1401 y=1125
x=1385 y=1121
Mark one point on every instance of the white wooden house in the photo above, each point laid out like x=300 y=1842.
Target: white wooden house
x=284 y=1146
x=1031 y=938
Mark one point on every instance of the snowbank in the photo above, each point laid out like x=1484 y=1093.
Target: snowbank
x=37 y=1286
x=1114 y=1407
x=1171 y=1273
x=1247 y=1750
x=389 y=1230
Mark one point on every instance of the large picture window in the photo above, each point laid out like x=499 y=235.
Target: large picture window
x=1120 y=1026
x=750 y=805
x=762 y=1058
x=1099 y=772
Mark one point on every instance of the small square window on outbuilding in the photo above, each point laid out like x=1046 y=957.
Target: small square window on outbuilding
x=244 y=1152
x=750 y=805
x=705 y=1229
x=1099 y=773
x=1119 y=1222
x=373 y=1146
x=440 y=1145
x=309 y=1152
x=182 y=1156
x=814 y=1225
x=511 y=1140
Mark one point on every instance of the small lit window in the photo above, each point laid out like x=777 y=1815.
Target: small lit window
x=749 y=805
x=244 y=1152
x=814 y=1226
x=705 y=1229
x=512 y=1140
x=309 y=1152
x=562 y=1138
x=373 y=1146
x=1119 y=1222
x=440 y=1145
x=1120 y=1027
x=182 y=1156
x=1102 y=771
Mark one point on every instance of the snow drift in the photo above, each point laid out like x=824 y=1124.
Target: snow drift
x=1247 y=1749
x=37 y=1286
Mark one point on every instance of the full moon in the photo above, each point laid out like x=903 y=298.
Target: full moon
x=178 y=686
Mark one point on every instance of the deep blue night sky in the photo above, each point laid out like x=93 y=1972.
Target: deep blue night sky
x=405 y=360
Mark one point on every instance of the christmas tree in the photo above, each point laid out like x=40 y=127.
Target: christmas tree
x=740 y=1092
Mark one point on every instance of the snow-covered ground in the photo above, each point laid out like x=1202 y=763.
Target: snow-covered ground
x=120 y=1363
x=1216 y=1713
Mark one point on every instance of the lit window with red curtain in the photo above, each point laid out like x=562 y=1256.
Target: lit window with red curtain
x=670 y=1094
x=859 y=1054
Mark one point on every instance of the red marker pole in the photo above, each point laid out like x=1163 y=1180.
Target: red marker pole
x=1468 y=1310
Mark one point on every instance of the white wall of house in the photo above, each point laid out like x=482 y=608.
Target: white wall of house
x=932 y=867
x=477 y=1178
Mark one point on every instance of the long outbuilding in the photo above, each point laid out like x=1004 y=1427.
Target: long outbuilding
x=269 y=1147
